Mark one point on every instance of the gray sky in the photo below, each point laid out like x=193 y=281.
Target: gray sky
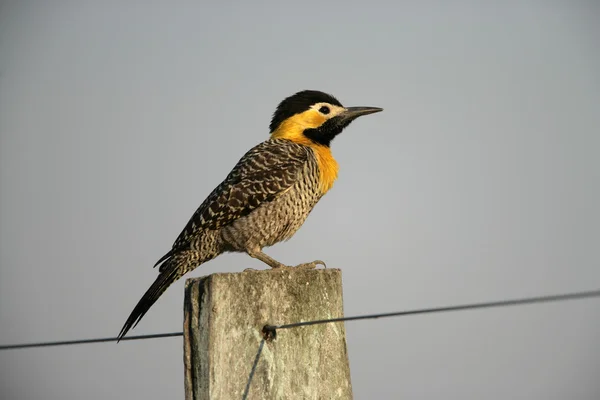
x=479 y=181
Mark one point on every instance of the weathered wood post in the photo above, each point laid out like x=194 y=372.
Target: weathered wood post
x=224 y=317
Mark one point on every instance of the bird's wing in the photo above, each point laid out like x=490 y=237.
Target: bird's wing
x=262 y=174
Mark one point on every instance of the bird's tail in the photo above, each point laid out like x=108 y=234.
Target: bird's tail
x=170 y=271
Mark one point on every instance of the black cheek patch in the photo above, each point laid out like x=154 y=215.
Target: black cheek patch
x=326 y=132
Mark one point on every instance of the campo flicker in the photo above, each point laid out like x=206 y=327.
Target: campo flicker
x=266 y=197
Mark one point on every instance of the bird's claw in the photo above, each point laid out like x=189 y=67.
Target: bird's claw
x=311 y=265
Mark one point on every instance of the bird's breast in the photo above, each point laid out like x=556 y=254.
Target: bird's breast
x=327 y=166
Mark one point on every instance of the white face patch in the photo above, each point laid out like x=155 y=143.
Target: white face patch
x=328 y=110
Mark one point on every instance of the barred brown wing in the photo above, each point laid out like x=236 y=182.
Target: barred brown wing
x=262 y=174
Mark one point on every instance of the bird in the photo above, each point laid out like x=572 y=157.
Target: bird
x=266 y=197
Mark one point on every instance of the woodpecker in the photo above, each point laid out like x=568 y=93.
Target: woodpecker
x=266 y=197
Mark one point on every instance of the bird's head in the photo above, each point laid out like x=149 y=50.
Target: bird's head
x=313 y=117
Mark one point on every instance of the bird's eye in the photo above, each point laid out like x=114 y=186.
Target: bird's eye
x=324 y=110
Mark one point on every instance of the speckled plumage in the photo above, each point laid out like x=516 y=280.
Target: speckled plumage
x=264 y=200
x=244 y=208
x=266 y=197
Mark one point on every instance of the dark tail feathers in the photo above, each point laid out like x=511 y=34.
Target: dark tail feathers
x=163 y=258
x=170 y=272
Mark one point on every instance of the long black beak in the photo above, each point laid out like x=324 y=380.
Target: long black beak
x=352 y=113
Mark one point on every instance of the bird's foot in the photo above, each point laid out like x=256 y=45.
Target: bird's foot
x=279 y=265
x=275 y=266
x=311 y=265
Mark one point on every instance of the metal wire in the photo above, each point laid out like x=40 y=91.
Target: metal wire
x=273 y=328
x=270 y=331
x=491 y=304
x=260 y=348
x=86 y=341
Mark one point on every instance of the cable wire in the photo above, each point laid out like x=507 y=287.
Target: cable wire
x=491 y=304
x=86 y=341
x=260 y=348
x=271 y=329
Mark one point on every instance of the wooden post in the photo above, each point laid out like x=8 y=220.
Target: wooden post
x=224 y=317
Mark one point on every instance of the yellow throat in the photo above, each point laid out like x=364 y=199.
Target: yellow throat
x=293 y=129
